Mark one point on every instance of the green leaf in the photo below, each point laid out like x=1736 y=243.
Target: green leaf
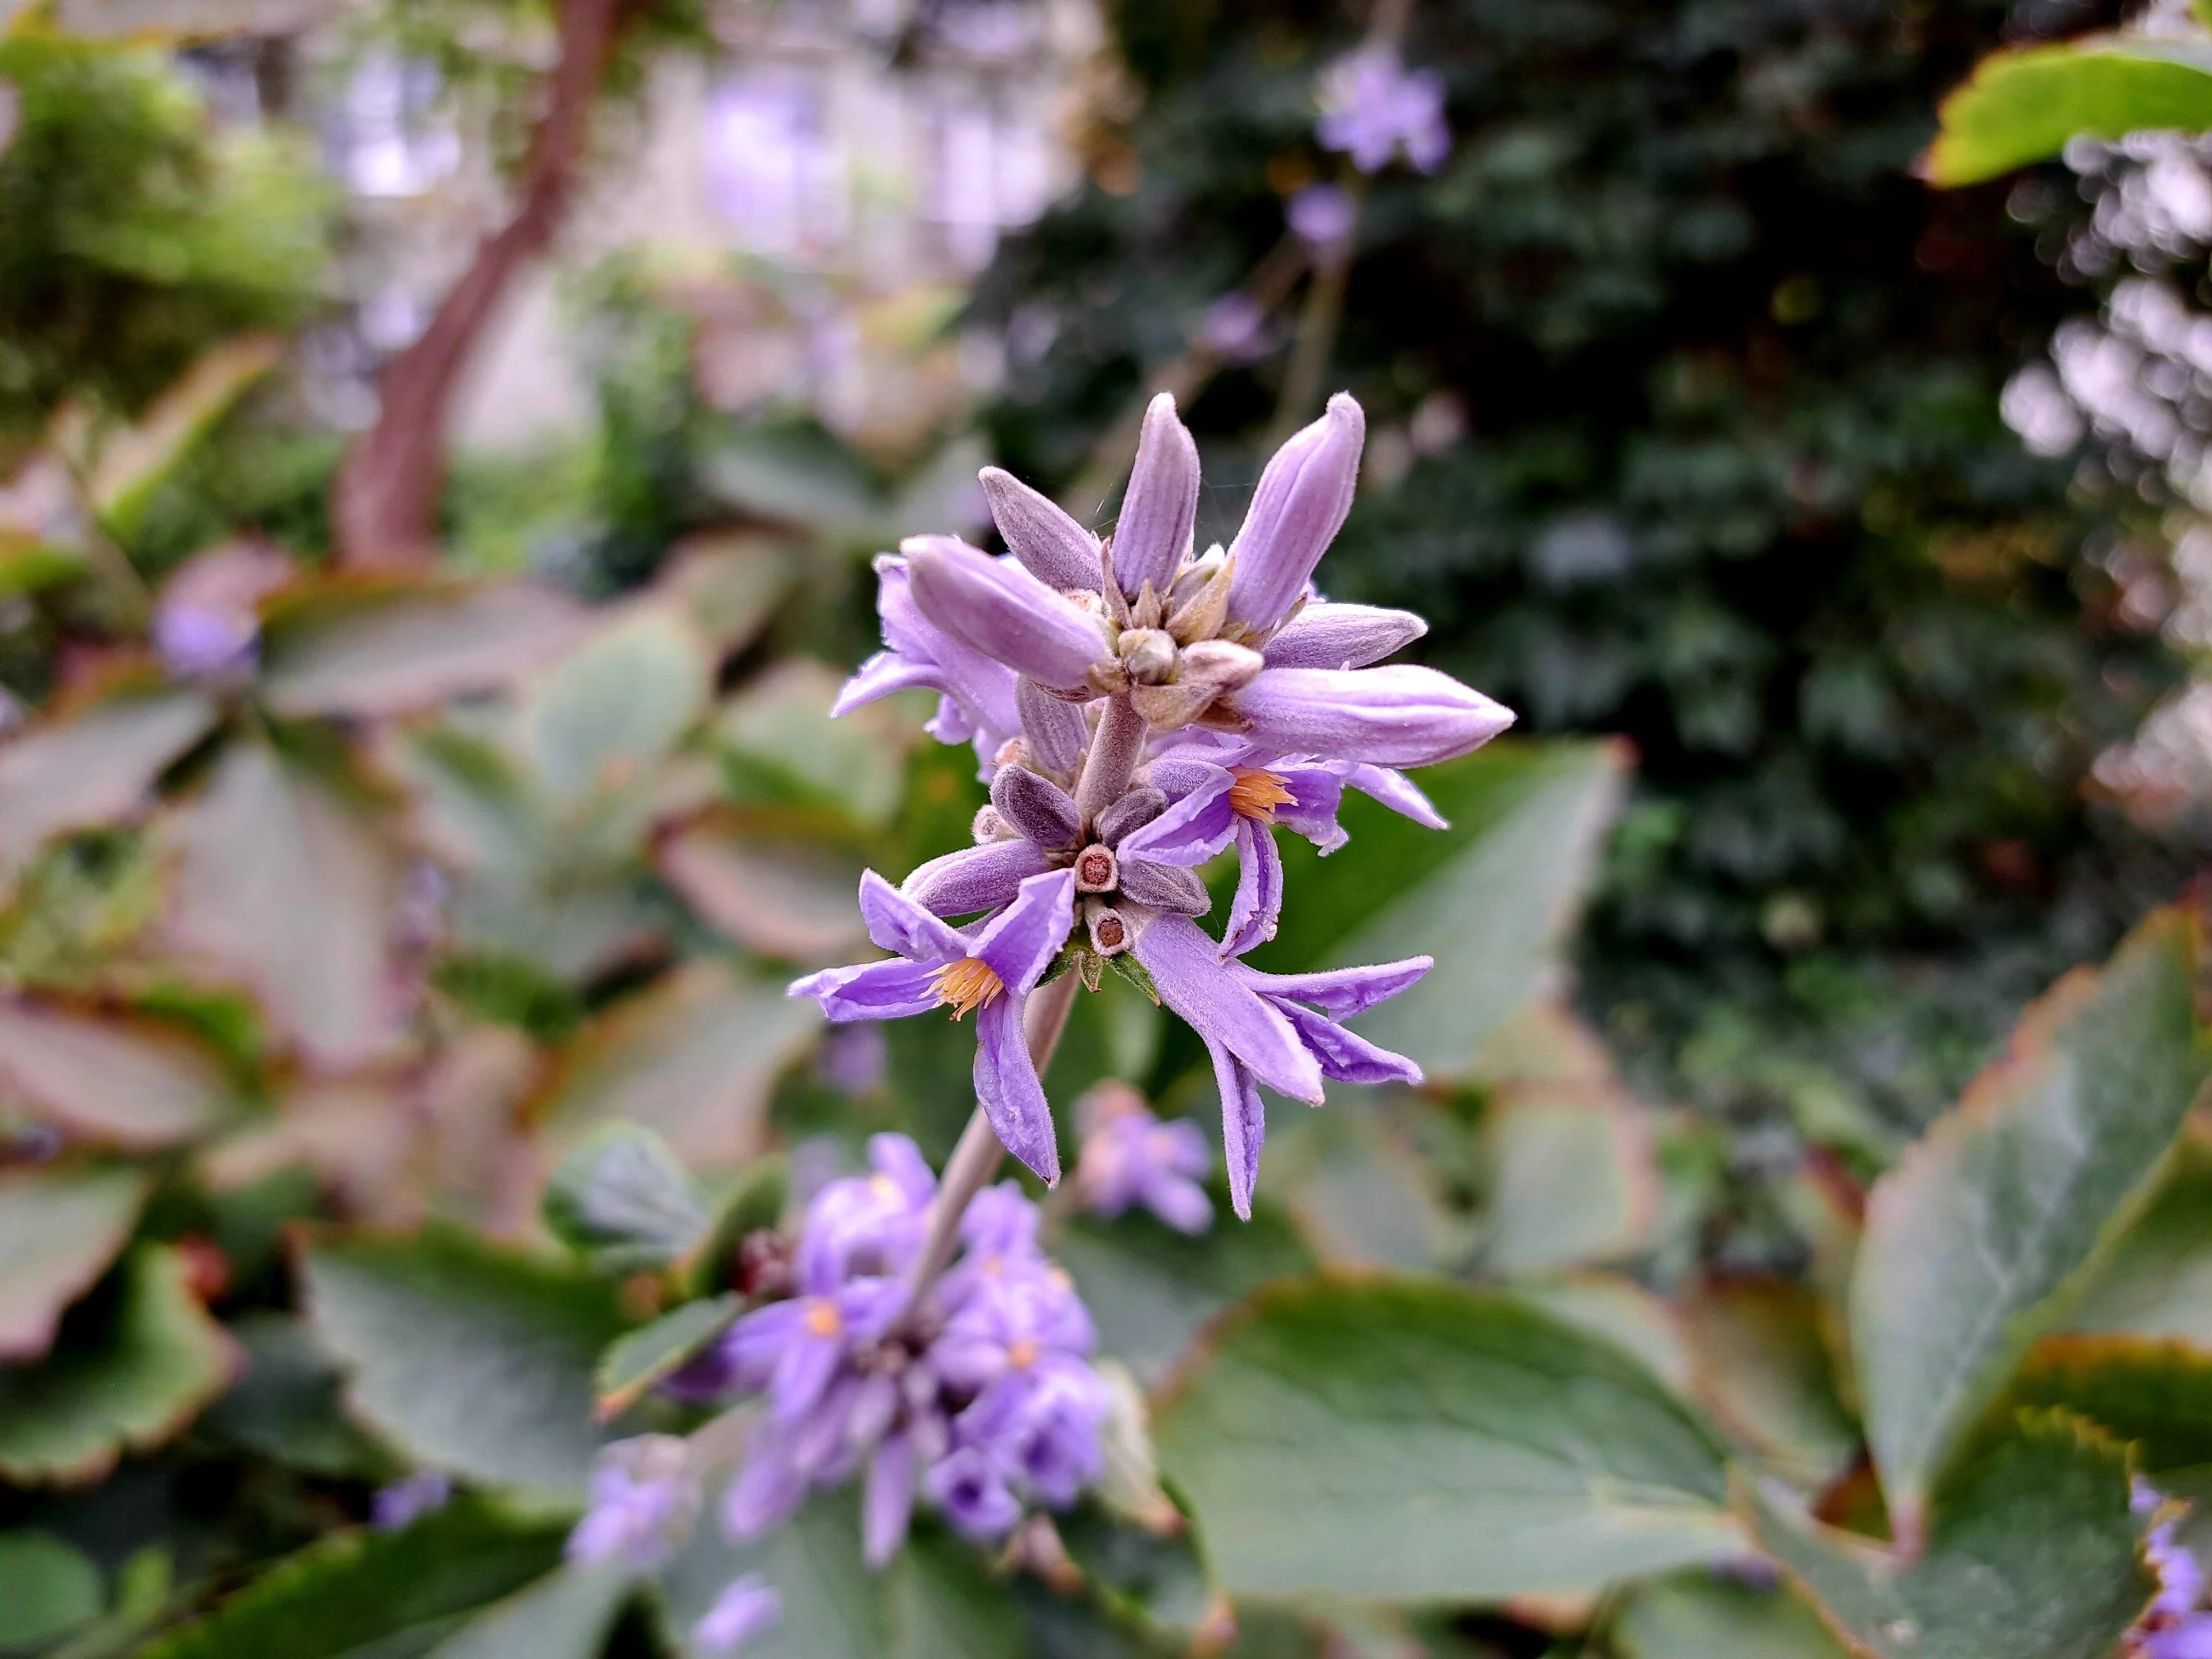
x=58 y=1232
x=367 y=1595
x=285 y=1405
x=778 y=732
x=2156 y=1396
x=623 y=1201
x=138 y=1085
x=1151 y=1289
x=945 y=1606
x=564 y=1615
x=469 y=1358
x=94 y=767
x=374 y=653
x=2157 y=1280
x=692 y=1058
x=1972 y=1237
x=1358 y=1187
x=2031 y=1553
x=620 y=704
x=291 y=889
x=135 y=1362
x=2023 y=105
x=47 y=1588
x=1619 y=1310
x=778 y=893
x=1703 y=1615
x=1761 y=1365
x=638 y=1360
x=1406 y=1440
x=1491 y=898
x=1158 y=1584
x=1573 y=1180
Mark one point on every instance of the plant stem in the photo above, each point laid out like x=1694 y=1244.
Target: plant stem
x=1115 y=748
x=975 y=1160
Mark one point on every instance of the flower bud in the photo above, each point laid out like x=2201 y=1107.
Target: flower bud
x=1397 y=717
x=1149 y=655
x=1160 y=504
x=1000 y=609
x=1301 y=503
x=1052 y=547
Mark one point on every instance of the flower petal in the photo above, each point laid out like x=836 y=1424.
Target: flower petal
x=1053 y=726
x=1006 y=1083
x=1036 y=806
x=1212 y=998
x=874 y=990
x=998 y=608
x=1340 y=993
x=1258 y=907
x=887 y=1503
x=1397 y=791
x=1243 y=1127
x=1345 y=1055
x=1133 y=811
x=1020 y=943
x=1152 y=536
x=1192 y=830
x=903 y=926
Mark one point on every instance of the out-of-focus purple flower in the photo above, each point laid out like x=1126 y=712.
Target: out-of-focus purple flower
x=195 y=642
x=2175 y=1624
x=978 y=1400
x=1235 y=329
x=747 y=1608
x=854 y=1060
x=207 y=623
x=992 y=972
x=1322 y=216
x=1372 y=106
x=643 y=1498
x=407 y=1499
x=1131 y=1158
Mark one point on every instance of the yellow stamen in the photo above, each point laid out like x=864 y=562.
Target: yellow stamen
x=883 y=1187
x=965 y=984
x=822 y=1319
x=1256 y=794
x=1023 y=1353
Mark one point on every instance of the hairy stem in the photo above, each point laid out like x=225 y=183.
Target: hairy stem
x=384 y=507
x=1115 y=748
x=975 y=1160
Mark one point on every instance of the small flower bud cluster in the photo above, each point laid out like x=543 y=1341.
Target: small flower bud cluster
x=979 y=1400
x=1133 y=1160
x=1139 y=710
x=1372 y=107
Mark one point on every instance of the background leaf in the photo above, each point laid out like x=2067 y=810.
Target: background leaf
x=624 y=1199
x=133 y=1365
x=1711 y=1615
x=135 y=1085
x=290 y=888
x=468 y=1358
x=2031 y=1554
x=94 y=768
x=47 y=1588
x=564 y=1615
x=2157 y=1280
x=359 y=1593
x=618 y=704
x=1970 y=1238
x=371 y=653
x=1403 y=1440
x=1762 y=1366
x=58 y=1232
x=2023 y=105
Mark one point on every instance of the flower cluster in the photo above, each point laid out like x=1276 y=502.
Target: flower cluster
x=2177 y=1625
x=1130 y=1158
x=978 y=1399
x=1372 y=106
x=1139 y=711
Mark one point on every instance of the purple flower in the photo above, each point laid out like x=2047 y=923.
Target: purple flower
x=1131 y=1158
x=1399 y=715
x=1372 y=105
x=200 y=642
x=1235 y=329
x=1278 y=1029
x=643 y=1497
x=1299 y=504
x=992 y=972
x=975 y=691
x=1320 y=215
x=979 y=1400
x=747 y=1608
x=1216 y=804
x=997 y=607
x=2173 y=1627
x=407 y=1500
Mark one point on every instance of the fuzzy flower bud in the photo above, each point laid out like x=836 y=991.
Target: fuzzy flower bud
x=1302 y=502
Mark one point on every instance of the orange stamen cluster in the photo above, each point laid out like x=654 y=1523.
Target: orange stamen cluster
x=822 y=1318
x=1256 y=794
x=965 y=984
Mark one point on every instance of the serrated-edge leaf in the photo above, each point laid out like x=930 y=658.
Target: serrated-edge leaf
x=59 y=1230
x=623 y=1199
x=1927 y=1361
x=2153 y=1396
